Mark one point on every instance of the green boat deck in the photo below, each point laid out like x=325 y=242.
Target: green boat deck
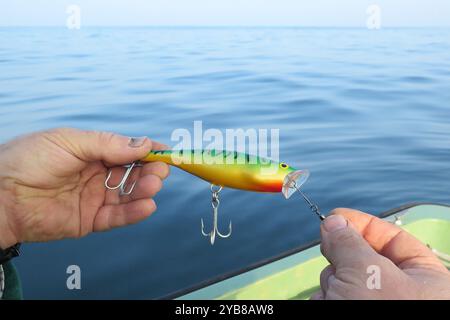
x=296 y=276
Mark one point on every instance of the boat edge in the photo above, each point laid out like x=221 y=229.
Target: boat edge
x=231 y=274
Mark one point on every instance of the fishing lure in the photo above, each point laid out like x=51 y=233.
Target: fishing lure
x=227 y=169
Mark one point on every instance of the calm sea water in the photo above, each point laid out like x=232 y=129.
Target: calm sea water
x=367 y=112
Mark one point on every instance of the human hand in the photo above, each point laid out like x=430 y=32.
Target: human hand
x=352 y=241
x=52 y=184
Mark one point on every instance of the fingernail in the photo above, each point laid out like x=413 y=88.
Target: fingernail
x=136 y=142
x=334 y=223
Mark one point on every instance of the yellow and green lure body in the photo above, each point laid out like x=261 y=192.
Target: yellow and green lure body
x=234 y=169
x=226 y=169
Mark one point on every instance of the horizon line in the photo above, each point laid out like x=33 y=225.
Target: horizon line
x=224 y=26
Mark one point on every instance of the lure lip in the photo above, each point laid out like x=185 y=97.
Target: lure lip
x=298 y=178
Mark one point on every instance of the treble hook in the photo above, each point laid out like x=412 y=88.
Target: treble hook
x=215 y=205
x=314 y=208
x=122 y=183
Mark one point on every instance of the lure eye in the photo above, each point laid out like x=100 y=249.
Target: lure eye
x=283 y=165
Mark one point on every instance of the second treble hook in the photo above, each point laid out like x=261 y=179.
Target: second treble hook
x=215 y=202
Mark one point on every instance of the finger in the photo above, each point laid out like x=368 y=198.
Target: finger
x=159 y=146
x=391 y=241
x=324 y=276
x=109 y=147
x=113 y=216
x=343 y=246
x=159 y=169
x=317 y=296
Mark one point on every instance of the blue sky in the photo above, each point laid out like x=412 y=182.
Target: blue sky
x=226 y=12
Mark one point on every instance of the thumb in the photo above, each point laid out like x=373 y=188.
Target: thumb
x=111 y=148
x=343 y=246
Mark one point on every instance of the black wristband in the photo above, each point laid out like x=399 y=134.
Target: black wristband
x=8 y=254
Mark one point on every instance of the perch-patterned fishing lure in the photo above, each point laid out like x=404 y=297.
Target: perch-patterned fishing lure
x=229 y=169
